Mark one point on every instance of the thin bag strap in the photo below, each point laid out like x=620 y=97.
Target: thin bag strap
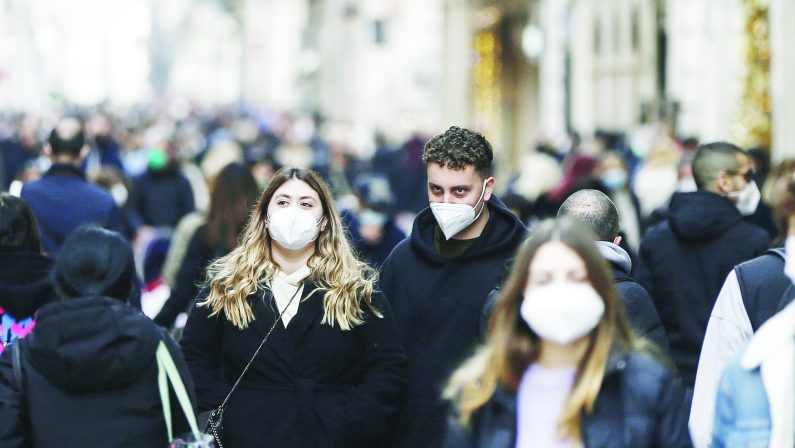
x=261 y=344
x=167 y=371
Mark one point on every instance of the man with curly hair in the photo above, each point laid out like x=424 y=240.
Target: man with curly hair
x=438 y=279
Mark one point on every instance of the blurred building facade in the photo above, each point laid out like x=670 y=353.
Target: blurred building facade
x=519 y=71
x=713 y=69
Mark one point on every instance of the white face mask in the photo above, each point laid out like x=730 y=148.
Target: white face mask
x=747 y=198
x=789 y=265
x=453 y=218
x=562 y=312
x=293 y=228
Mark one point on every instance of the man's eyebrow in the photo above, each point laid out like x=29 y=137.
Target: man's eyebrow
x=454 y=187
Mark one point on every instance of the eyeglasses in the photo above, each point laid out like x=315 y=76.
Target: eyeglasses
x=748 y=175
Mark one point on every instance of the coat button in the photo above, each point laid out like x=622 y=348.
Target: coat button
x=620 y=365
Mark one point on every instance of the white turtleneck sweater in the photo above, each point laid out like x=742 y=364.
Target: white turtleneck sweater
x=284 y=287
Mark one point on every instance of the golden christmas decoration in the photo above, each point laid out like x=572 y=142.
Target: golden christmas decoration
x=753 y=127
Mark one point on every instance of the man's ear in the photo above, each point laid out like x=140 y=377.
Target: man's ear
x=617 y=240
x=489 y=188
x=46 y=150
x=723 y=183
x=84 y=152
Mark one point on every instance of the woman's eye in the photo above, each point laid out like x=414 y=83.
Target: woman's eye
x=306 y=204
x=281 y=202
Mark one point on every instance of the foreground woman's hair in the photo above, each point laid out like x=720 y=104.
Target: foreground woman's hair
x=346 y=281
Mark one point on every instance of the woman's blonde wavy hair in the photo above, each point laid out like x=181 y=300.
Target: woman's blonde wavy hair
x=248 y=269
x=512 y=346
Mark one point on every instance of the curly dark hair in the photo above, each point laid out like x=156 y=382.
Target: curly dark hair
x=459 y=147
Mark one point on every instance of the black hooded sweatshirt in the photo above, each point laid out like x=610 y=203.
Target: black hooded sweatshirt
x=437 y=304
x=89 y=379
x=684 y=261
x=25 y=283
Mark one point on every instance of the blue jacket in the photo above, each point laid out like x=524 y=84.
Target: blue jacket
x=438 y=304
x=640 y=405
x=742 y=412
x=64 y=200
x=684 y=261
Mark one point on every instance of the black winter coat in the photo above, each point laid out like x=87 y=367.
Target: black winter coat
x=312 y=385
x=640 y=309
x=160 y=198
x=639 y=405
x=684 y=261
x=89 y=379
x=438 y=304
x=638 y=306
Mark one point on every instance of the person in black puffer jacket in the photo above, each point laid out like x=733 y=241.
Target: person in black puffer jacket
x=25 y=283
x=685 y=259
x=595 y=209
x=561 y=366
x=88 y=370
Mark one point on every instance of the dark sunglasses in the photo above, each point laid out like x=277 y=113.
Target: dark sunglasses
x=748 y=175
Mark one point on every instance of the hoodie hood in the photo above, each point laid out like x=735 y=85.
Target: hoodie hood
x=615 y=255
x=91 y=344
x=502 y=230
x=25 y=283
x=701 y=215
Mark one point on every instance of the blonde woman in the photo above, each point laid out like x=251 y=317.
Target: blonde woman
x=331 y=372
x=562 y=367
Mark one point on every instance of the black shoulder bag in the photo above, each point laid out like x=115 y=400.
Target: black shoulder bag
x=215 y=419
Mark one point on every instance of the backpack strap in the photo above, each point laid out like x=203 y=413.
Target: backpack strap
x=751 y=280
x=779 y=251
x=16 y=361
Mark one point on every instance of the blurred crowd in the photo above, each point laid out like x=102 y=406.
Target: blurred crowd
x=675 y=222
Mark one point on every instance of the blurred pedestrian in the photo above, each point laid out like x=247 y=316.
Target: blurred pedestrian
x=613 y=173
x=332 y=371
x=161 y=195
x=88 y=374
x=235 y=192
x=594 y=209
x=25 y=283
x=372 y=226
x=685 y=258
x=63 y=199
x=752 y=293
x=561 y=367
x=438 y=280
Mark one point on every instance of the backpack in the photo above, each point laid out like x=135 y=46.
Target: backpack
x=764 y=288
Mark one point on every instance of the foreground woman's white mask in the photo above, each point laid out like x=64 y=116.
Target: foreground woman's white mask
x=292 y=227
x=562 y=312
x=453 y=218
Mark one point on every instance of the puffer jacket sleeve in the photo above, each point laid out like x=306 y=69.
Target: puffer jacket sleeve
x=14 y=426
x=643 y=315
x=672 y=429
